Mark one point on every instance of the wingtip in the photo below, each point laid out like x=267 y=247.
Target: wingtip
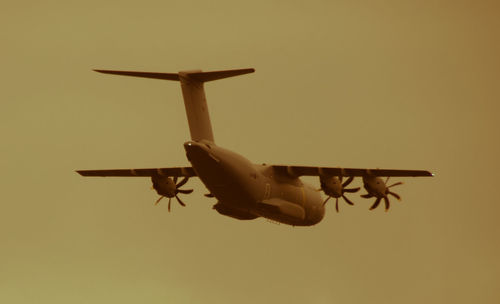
x=100 y=71
x=111 y=71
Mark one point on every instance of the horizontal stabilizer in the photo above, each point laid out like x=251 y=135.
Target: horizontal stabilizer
x=193 y=93
x=209 y=76
x=196 y=75
x=166 y=76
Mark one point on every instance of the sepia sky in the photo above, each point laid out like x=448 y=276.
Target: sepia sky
x=388 y=84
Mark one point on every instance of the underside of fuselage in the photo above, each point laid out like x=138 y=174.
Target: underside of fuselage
x=247 y=191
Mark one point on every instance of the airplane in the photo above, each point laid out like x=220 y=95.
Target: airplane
x=244 y=190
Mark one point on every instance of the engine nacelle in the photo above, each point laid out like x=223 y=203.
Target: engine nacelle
x=375 y=186
x=332 y=186
x=164 y=185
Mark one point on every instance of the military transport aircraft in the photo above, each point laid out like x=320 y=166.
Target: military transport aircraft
x=245 y=190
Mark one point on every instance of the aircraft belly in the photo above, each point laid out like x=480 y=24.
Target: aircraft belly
x=293 y=205
x=224 y=184
x=232 y=211
x=247 y=191
x=281 y=210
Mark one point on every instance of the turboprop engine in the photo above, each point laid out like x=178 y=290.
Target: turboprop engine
x=376 y=187
x=168 y=187
x=333 y=187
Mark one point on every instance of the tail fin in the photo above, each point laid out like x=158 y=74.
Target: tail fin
x=193 y=93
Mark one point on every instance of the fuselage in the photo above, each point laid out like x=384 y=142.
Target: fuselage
x=247 y=191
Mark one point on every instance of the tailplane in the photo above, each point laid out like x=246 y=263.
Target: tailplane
x=193 y=93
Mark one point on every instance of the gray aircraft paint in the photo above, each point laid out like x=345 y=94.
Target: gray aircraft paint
x=254 y=190
x=245 y=190
x=195 y=103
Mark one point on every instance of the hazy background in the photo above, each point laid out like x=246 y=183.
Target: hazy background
x=389 y=84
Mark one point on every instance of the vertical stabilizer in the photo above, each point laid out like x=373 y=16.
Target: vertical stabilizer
x=196 y=107
x=193 y=93
x=196 y=102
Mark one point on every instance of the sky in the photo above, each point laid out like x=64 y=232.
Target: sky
x=388 y=84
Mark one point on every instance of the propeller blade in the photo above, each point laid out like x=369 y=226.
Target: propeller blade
x=183 y=181
x=326 y=200
x=175 y=179
x=209 y=195
x=153 y=181
x=187 y=191
x=337 y=204
x=352 y=190
x=395 y=195
x=180 y=201
x=348 y=200
x=157 y=201
x=395 y=184
x=387 y=179
x=376 y=203
x=169 y=203
x=368 y=195
x=348 y=181
x=387 y=204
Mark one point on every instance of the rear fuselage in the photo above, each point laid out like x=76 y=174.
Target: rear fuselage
x=248 y=191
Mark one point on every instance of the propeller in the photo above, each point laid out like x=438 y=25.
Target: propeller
x=166 y=187
x=376 y=188
x=333 y=187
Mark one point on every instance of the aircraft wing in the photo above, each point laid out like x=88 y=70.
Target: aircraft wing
x=296 y=171
x=171 y=172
